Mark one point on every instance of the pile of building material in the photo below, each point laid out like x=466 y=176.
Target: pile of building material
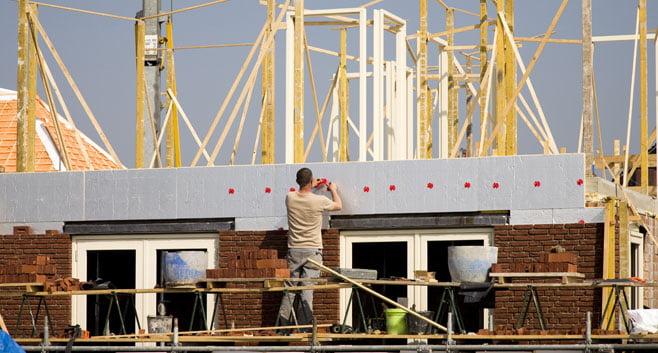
x=28 y=269
x=548 y=262
x=259 y=263
x=36 y=269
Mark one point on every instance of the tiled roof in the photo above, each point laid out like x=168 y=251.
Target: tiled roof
x=48 y=156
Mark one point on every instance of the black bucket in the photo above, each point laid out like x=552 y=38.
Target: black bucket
x=417 y=326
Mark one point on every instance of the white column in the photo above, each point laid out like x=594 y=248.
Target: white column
x=377 y=85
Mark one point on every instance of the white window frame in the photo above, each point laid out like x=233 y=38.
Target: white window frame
x=417 y=259
x=637 y=238
x=146 y=248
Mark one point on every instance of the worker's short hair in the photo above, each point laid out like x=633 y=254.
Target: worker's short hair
x=304 y=176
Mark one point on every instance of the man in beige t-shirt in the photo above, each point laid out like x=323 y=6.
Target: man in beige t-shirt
x=305 y=209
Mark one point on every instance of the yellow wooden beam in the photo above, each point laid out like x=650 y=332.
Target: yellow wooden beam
x=140 y=32
x=343 y=99
x=267 y=90
x=644 y=112
x=32 y=97
x=483 y=62
x=298 y=62
x=624 y=245
x=510 y=117
x=22 y=86
x=424 y=101
x=173 y=157
x=453 y=84
x=608 y=258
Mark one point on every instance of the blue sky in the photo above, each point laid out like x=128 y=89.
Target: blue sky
x=99 y=53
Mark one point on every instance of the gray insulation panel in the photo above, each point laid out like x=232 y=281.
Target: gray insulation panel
x=254 y=195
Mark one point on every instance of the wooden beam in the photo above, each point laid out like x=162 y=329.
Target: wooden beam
x=587 y=88
x=140 y=32
x=22 y=87
x=552 y=40
x=511 y=121
x=424 y=101
x=453 y=85
x=483 y=62
x=32 y=94
x=644 y=100
x=343 y=99
x=608 y=259
x=172 y=147
x=624 y=246
x=601 y=161
x=453 y=30
x=298 y=82
x=267 y=92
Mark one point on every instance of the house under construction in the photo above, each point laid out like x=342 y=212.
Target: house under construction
x=88 y=245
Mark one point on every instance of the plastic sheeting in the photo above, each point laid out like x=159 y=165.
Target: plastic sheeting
x=644 y=320
x=8 y=345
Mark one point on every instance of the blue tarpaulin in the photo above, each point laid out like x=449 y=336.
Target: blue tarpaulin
x=8 y=345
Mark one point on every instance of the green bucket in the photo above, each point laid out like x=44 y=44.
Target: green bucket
x=396 y=321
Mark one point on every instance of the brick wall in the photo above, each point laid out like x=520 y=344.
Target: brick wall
x=23 y=244
x=260 y=309
x=564 y=308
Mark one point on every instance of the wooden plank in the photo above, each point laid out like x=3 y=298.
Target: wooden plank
x=566 y=277
x=601 y=161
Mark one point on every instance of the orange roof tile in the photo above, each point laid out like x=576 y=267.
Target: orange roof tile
x=47 y=145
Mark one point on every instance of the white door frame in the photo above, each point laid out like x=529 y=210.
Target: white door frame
x=146 y=247
x=417 y=259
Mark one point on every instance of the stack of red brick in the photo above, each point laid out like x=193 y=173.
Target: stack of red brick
x=31 y=269
x=548 y=262
x=36 y=269
x=258 y=263
x=62 y=284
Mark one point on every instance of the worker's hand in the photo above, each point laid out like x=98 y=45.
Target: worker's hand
x=332 y=186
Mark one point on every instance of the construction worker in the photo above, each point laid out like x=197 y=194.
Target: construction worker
x=305 y=209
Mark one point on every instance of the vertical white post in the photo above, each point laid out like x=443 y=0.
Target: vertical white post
x=290 y=97
x=410 y=113
x=401 y=117
x=389 y=122
x=363 y=58
x=443 y=102
x=377 y=84
x=416 y=153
